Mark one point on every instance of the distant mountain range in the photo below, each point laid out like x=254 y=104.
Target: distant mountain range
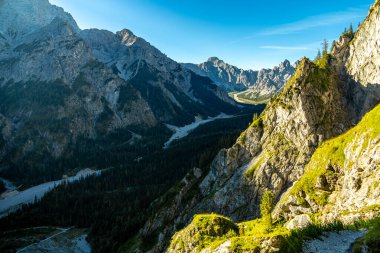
x=252 y=84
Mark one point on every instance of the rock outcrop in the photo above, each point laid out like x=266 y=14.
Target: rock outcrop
x=341 y=180
x=218 y=234
x=363 y=63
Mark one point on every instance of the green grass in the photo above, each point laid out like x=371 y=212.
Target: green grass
x=371 y=239
x=258 y=228
x=205 y=231
x=255 y=100
x=208 y=231
x=332 y=152
x=250 y=234
x=232 y=93
x=259 y=161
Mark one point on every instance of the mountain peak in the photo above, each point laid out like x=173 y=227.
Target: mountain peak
x=20 y=17
x=213 y=59
x=286 y=63
x=127 y=37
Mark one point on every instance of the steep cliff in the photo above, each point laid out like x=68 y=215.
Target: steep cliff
x=270 y=154
x=341 y=180
x=321 y=101
x=340 y=183
x=363 y=63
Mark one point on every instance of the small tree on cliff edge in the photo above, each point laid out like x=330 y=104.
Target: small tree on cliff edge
x=266 y=207
x=325 y=47
x=319 y=55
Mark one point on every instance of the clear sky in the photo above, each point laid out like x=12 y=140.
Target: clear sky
x=250 y=34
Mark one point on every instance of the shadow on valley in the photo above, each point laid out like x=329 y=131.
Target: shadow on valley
x=115 y=205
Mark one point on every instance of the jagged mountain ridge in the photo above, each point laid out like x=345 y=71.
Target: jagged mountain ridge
x=62 y=88
x=265 y=82
x=322 y=100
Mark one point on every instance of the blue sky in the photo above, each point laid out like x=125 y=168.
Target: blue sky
x=247 y=33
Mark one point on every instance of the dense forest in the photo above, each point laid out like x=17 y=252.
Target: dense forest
x=114 y=206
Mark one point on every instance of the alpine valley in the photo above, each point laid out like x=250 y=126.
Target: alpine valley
x=130 y=151
x=247 y=86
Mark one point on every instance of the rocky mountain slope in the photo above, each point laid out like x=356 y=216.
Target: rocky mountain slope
x=67 y=93
x=279 y=150
x=256 y=84
x=339 y=183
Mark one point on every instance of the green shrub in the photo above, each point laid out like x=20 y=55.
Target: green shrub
x=266 y=206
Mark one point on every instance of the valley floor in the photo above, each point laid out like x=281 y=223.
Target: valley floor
x=12 y=199
x=47 y=240
x=181 y=132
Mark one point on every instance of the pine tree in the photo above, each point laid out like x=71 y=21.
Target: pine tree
x=325 y=47
x=332 y=45
x=266 y=206
x=319 y=56
x=351 y=30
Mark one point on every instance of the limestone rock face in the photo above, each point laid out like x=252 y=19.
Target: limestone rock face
x=350 y=168
x=299 y=221
x=363 y=63
x=339 y=182
x=20 y=17
x=271 y=154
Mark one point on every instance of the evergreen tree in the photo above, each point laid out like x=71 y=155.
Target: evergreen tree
x=325 y=47
x=319 y=56
x=351 y=30
x=332 y=45
x=266 y=206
